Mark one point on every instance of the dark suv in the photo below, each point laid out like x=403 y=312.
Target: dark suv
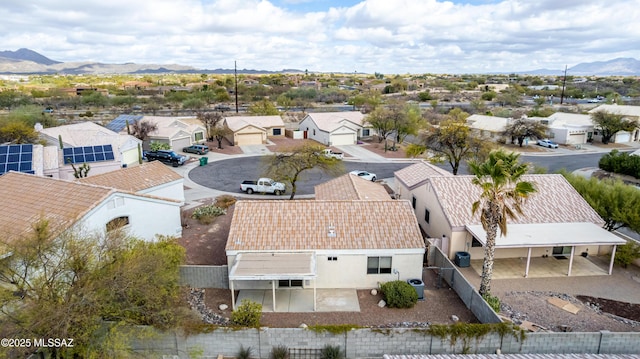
x=166 y=156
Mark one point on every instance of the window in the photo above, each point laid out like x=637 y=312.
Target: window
x=277 y=131
x=475 y=243
x=332 y=258
x=314 y=131
x=413 y=202
x=426 y=215
x=289 y=283
x=365 y=132
x=198 y=136
x=117 y=223
x=378 y=265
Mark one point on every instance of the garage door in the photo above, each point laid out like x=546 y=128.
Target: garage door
x=577 y=139
x=243 y=139
x=343 y=139
x=179 y=143
x=622 y=137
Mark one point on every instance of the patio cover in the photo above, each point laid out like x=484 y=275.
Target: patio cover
x=273 y=267
x=551 y=235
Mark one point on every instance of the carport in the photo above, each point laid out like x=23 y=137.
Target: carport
x=551 y=235
x=273 y=267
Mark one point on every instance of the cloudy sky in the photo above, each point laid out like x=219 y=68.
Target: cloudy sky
x=388 y=36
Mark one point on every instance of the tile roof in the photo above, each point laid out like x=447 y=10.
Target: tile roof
x=350 y=187
x=26 y=199
x=304 y=225
x=418 y=174
x=556 y=201
x=330 y=121
x=136 y=178
x=236 y=123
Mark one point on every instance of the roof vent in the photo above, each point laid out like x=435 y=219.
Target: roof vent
x=331 y=231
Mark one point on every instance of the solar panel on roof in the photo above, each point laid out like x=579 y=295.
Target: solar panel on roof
x=88 y=154
x=120 y=122
x=16 y=158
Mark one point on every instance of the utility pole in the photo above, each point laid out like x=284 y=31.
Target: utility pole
x=564 y=81
x=235 y=76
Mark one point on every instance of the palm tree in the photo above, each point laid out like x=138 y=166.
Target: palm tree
x=503 y=193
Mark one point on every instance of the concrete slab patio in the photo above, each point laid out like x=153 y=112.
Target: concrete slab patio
x=301 y=300
x=548 y=267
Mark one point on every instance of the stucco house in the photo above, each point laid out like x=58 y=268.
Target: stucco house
x=178 y=132
x=125 y=147
x=490 y=127
x=570 y=128
x=335 y=128
x=150 y=178
x=322 y=244
x=629 y=112
x=87 y=208
x=557 y=221
x=253 y=130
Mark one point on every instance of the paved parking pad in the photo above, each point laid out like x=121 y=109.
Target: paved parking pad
x=301 y=300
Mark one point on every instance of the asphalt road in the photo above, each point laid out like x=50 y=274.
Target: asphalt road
x=226 y=175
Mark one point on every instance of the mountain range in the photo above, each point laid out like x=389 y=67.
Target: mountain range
x=26 y=62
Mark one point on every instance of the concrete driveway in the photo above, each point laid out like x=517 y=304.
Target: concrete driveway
x=255 y=150
x=360 y=153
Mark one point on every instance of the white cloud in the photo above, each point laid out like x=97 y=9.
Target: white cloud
x=400 y=36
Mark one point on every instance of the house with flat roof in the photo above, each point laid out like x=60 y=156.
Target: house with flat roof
x=570 y=128
x=556 y=221
x=628 y=112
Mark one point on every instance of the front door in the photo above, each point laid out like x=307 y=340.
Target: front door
x=561 y=251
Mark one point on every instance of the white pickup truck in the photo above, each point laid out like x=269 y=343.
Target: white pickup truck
x=330 y=154
x=263 y=185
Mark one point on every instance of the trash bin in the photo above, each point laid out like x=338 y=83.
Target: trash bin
x=206 y=160
x=462 y=259
x=202 y=162
x=418 y=285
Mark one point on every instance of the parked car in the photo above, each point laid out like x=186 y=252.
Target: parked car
x=547 y=143
x=198 y=149
x=165 y=156
x=364 y=174
x=330 y=154
x=263 y=185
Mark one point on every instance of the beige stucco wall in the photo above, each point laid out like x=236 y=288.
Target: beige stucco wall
x=350 y=270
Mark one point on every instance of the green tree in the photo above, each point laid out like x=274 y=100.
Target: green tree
x=522 y=128
x=85 y=287
x=288 y=165
x=611 y=123
x=382 y=123
x=453 y=141
x=503 y=191
x=17 y=132
x=263 y=108
x=616 y=202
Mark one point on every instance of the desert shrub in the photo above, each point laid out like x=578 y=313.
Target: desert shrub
x=279 y=352
x=627 y=253
x=331 y=352
x=399 y=294
x=247 y=314
x=225 y=201
x=494 y=302
x=244 y=353
x=155 y=146
x=206 y=214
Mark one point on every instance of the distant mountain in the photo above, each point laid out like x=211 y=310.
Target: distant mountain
x=25 y=61
x=27 y=55
x=616 y=67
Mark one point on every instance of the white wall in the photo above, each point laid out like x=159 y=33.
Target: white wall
x=147 y=217
x=308 y=125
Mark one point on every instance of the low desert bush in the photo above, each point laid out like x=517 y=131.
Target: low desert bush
x=279 y=352
x=247 y=314
x=206 y=214
x=331 y=352
x=225 y=201
x=399 y=294
x=494 y=302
